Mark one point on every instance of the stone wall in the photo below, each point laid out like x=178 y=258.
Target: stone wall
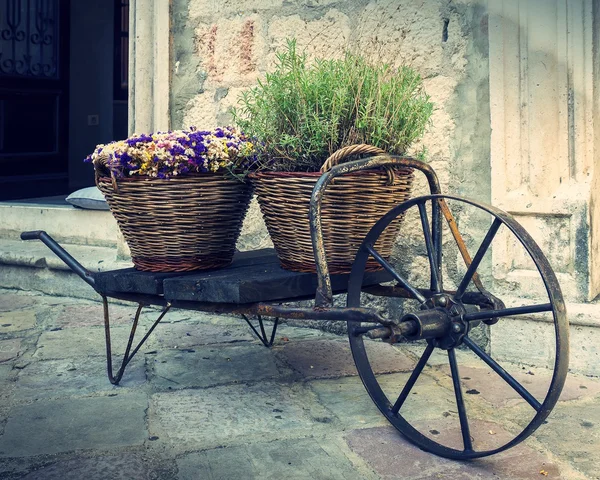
x=221 y=48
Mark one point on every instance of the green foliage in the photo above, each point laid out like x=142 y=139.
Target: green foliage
x=300 y=114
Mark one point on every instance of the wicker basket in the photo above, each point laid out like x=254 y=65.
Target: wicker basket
x=185 y=223
x=351 y=206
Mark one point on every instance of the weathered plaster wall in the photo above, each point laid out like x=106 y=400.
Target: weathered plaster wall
x=221 y=48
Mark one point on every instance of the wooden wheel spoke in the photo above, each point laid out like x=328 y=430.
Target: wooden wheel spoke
x=390 y=269
x=528 y=397
x=483 y=248
x=434 y=263
x=460 y=404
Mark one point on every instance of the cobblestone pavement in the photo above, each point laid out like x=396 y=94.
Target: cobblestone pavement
x=205 y=400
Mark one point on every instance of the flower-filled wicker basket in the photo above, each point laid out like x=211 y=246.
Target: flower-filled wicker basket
x=190 y=219
x=352 y=204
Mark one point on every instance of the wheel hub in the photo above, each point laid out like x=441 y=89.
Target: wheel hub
x=440 y=321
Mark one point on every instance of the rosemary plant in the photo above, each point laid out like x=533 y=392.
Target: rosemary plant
x=300 y=113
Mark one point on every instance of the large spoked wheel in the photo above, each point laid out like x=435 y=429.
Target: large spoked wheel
x=448 y=316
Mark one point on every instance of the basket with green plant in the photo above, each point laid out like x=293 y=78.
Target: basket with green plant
x=305 y=118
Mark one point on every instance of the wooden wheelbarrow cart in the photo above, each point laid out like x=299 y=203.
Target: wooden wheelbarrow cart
x=442 y=318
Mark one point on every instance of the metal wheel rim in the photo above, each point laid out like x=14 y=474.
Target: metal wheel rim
x=560 y=325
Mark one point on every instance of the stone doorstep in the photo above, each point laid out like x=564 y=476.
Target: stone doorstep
x=35 y=254
x=32 y=266
x=63 y=222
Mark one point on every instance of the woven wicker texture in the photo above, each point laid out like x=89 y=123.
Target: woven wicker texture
x=182 y=224
x=351 y=206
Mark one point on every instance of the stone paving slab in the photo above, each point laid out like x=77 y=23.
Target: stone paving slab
x=13 y=301
x=348 y=399
x=17 y=321
x=82 y=342
x=109 y=467
x=10 y=349
x=207 y=366
x=5 y=375
x=58 y=420
x=212 y=417
x=483 y=381
x=573 y=435
x=298 y=459
x=74 y=316
x=48 y=427
x=186 y=335
x=333 y=358
x=439 y=358
x=391 y=456
x=74 y=377
x=291 y=333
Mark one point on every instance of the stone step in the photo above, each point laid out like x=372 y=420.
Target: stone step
x=91 y=236
x=65 y=223
x=32 y=266
x=531 y=339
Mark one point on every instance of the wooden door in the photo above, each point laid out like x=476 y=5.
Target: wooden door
x=34 y=90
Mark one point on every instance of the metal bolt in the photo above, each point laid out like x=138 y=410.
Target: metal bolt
x=454 y=310
x=443 y=301
x=457 y=327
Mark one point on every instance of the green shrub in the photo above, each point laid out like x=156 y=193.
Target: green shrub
x=301 y=114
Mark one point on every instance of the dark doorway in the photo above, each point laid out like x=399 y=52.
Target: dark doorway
x=34 y=91
x=121 y=69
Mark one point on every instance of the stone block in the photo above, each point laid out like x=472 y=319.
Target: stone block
x=64 y=223
x=324 y=37
x=231 y=49
x=333 y=358
x=190 y=334
x=585 y=350
x=210 y=366
x=48 y=427
x=408 y=33
x=82 y=342
x=93 y=315
x=198 y=419
x=511 y=339
x=17 y=321
x=254 y=235
x=484 y=382
x=114 y=467
x=200 y=8
x=10 y=349
x=74 y=377
x=300 y=459
x=13 y=301
x=348 y=399
x=384 y=449
x=6 y=373
x=573 y=435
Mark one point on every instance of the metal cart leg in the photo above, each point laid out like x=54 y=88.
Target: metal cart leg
x=262 y=335
x=115 y=379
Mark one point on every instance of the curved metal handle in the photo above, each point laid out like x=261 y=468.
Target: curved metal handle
x=324 y=295
x=61 y=253
x=32 y=235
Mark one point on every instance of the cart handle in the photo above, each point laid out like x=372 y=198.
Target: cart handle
x=324 y=294
x=61 y=253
